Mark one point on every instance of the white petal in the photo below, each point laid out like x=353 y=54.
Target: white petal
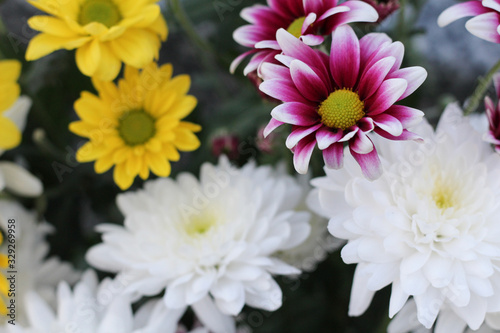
x=20 y=181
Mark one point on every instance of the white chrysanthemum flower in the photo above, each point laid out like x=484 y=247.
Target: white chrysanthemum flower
x=35 y=272
x=13 y=177
x=429 y=225
x=215 y=236
x=94 y=307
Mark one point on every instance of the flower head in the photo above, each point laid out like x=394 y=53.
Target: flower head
x=308 y=19
x=210 y=238
x=104 y=33
x=10 y=136
x=337 y=99
x=485 y=22
x=428 y=226
x=136 y=125
x=493 y=113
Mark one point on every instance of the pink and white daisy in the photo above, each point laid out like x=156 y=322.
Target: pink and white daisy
x=493 y=113
x=308 y=19
x=337 y=99
x=486 y=21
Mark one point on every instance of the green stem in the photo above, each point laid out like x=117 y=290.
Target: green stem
x=187 y=25
x=482 y=87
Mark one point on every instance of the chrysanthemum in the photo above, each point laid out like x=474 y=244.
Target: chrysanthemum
x=104 y=33
x=493 y=113
x=485 y=22
x=428 y=226
x=136 y=125
x=35 y=271
x=308 y=19
x=10 y=136
x=207 y=240
x=94 y=307
x=337 y=99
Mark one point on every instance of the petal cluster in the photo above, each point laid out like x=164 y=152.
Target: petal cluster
x=485 y=23
x=136 y=125
x=428 y=227
x=493 y=114
x=102 y=42
x=366 y=72
x=308 y=19
x=213 y=238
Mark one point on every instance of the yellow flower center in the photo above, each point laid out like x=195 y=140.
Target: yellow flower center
x=136 y=127
x=342 y=109
x=443 y=195
x=200 y=224
x=296 y=27
x=102 y=11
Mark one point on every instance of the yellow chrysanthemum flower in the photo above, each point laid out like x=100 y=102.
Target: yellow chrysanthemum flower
x=4 y=284
x=10 y=136
x=136 y=125
x=104 y=32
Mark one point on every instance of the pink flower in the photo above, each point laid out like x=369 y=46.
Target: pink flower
x=493 y=113
x=384 y=8
x=226 y=144
x=308 y=19
x=337 y=99
x=484 y=25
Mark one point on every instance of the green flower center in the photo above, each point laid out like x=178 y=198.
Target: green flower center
x=296 y=27
x=200 y=224
x=102 y=11
x=136 y=127
x=342 y=109
x=443 y=195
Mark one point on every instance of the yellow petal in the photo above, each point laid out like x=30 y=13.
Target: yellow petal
x=121 y=155
x=4 y=285
x=10 y=69
x=144 y=18
x=88 y=58
x=48 y=6
x=170 y=152
x=178 y=85
x=81 y=128
x=153 y=145
x=90 y=108
x=52 y=26
x=185 y=140
x=160 y=27
x=190 y=126
x=90 y=152
x=43 y=44
x=109 y=65
x=95 y=28
x=158 y=165
x=121 y=178
x=10 y=136
x=114 y=32
x=103 y=163
x=4 y=261
x=136 y=47
x=9 y=93
x=144 y=173
x=133 y=165
x=183 y=107
x=107 y=90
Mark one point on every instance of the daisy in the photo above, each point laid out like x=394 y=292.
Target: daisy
x=337 y=99
x=308 y=19
x=428 y=226
x=485 y=22
x=104 y=33
x=136 y=125
x=35 y=270
x=493 y=113
x=208 y=240
x=94 y=307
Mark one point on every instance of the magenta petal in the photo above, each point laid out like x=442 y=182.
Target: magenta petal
x=453 y=13
x=366 y=124
x=485 y=26
x=360 y=12
x=326 y=137
x=261 y=15
x=270 y=71
x=302 y=155
x=296 y=114
x=333 y=11
x=395 y=50
x=299 y=133
x=312 y=40
x=349 y=135
x=268 y=44
x=389 y=92
x=406 y=135
x=236 y=62
x=407 y=116
x=271 y=126
x=414 y=76
x=496 y=83
x=282 y=90
x=370 y=44
x=389 y=124
x=374 y=76
x=334 y=156
x=308 y=21
x=369 y=163
x=248 y=35
x=308 y=82
x=361 y=143
x=295 y=48
x=344 y=57
x=257 y=60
